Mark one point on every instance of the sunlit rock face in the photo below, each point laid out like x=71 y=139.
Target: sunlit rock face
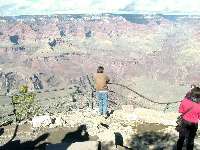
x=65 y=47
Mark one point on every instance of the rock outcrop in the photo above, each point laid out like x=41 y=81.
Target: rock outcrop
x=120 y=122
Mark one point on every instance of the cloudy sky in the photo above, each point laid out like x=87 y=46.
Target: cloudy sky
x=33 y=7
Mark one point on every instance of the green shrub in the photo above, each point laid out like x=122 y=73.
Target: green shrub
x=25 y=104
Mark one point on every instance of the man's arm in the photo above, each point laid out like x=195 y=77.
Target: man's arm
x=107 y=79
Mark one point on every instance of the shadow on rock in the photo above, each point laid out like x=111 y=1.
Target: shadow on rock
x=28 y=145
x=80 y=135
x=153 y=140
x=118 y=139
x=1 y=131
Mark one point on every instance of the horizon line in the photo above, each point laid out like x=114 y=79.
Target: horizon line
x=114 y=13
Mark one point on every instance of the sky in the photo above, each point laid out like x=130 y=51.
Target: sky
x=48 y=7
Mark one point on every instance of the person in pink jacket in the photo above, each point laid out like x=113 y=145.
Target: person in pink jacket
x=190 y=110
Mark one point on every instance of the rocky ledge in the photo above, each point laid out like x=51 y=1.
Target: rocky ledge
x=129 y=127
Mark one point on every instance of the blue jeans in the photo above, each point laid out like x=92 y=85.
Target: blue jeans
x=102 y=97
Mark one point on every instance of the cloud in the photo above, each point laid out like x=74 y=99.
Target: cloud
x=53 y=6
x=192 y=6
x=23 y=7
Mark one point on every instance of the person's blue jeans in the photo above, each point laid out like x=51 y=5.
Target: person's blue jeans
x=102 y=97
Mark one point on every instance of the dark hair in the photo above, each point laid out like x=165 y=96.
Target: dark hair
x=100 y=69
x=195 y=92
x=195 y=95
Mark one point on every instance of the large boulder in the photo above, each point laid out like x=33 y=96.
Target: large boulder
x=41 y=121
x=88 y=145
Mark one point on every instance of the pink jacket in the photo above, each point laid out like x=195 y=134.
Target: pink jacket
x=194 y=114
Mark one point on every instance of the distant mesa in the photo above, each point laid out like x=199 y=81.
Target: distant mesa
x=136 y=18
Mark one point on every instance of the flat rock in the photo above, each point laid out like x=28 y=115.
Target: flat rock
x=88 y=145
x=59 y=146
x=41 y=121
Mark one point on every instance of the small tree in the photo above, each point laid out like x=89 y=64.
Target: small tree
x=25 y=104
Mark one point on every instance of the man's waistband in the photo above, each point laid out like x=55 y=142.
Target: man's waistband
x=102 y=91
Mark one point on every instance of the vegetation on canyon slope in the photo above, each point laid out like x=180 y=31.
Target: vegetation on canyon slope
x=25 y=104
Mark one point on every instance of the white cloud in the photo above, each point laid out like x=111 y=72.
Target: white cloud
x=18 y=7
x=165 y=5
x=51 y=6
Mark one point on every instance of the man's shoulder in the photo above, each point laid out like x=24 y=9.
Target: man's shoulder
x=96 y=75
x=100 y=74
